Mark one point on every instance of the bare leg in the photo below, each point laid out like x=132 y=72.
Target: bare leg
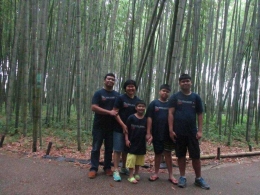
x=197 y=167
x=136 y=169
x=116 y=160
x=157 y=162
x=124 y=155
x=182 y=165
x=131 y=172
x=131 y=176
x=168 y=161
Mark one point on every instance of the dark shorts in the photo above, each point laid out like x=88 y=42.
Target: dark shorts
x=165 y=145
x=189 y=142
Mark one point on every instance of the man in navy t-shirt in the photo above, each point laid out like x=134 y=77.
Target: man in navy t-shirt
x=103 y=125
x=185 y=111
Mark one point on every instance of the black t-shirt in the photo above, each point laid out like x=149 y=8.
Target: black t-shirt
x=158 y=112
x=126 y=106
x=186 y=109
x=136 y=135
x=104 y=99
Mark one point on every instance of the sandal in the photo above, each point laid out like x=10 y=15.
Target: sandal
x=132 y=180
x=153 y=178
x=137 y=177
x=173 y=181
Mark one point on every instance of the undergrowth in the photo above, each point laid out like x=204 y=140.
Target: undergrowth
x=67 y=134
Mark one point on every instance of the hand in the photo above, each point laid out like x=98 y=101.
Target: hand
x=113 y=113
x=127 y=143
x=149 y=138
x=172 y=135
x=199 y=135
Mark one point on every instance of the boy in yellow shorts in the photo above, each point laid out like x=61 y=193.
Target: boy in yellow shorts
x=135 y=141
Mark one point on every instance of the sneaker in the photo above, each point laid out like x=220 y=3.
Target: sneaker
x=201 y=183
x=92 y=174
x=116 y=176
x=124 y=170
x=108 y=172
x=182 y=182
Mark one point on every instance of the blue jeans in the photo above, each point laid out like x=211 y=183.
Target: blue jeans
x=100 y=135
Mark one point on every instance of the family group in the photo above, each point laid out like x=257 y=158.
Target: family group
x=125 y=124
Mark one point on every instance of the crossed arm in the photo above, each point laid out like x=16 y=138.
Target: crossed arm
x=95 y=108
x=119 y=120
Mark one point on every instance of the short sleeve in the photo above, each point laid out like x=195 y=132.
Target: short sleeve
x=173 y=101
x=199 y=107
x=150 y=110
x=96 y=98
x=118 y=102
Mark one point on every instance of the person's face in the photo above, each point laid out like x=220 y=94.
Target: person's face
x=164 y=94
x=109 y=81
x=130 y=89
x=185 y=84
x=140 y=108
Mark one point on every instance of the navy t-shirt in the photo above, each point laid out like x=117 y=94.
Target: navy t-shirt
x=158 y=111
x=126 y=107
x=136 y=135
x=186 y=109
x=104 y=99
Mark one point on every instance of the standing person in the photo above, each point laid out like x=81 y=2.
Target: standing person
x=135 y=141
x=103 y=126
x=184 y=109
x=125 y=106
x=158 y=132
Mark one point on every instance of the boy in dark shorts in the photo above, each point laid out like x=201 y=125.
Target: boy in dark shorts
x=135 y=141
x=158 y=132
x=185 y=107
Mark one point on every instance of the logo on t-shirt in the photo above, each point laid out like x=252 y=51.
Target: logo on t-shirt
x=137 y=126
x=128 y=105
x=185 y=102
x=157 y=108
x=107 y=98
x=125 y=105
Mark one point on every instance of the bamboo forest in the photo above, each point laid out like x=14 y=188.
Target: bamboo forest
x=54 y=55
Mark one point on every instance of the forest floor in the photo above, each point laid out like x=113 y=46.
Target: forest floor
x=69 y=151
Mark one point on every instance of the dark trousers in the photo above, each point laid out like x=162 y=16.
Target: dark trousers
x=100 y=135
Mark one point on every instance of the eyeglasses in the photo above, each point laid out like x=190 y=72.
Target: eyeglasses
x=185 y=81
x=110 y=79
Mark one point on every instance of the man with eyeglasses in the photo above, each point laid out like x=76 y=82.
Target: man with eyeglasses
x=103 y=125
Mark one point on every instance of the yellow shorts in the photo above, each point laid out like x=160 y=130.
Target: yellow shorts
x=133 y=159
